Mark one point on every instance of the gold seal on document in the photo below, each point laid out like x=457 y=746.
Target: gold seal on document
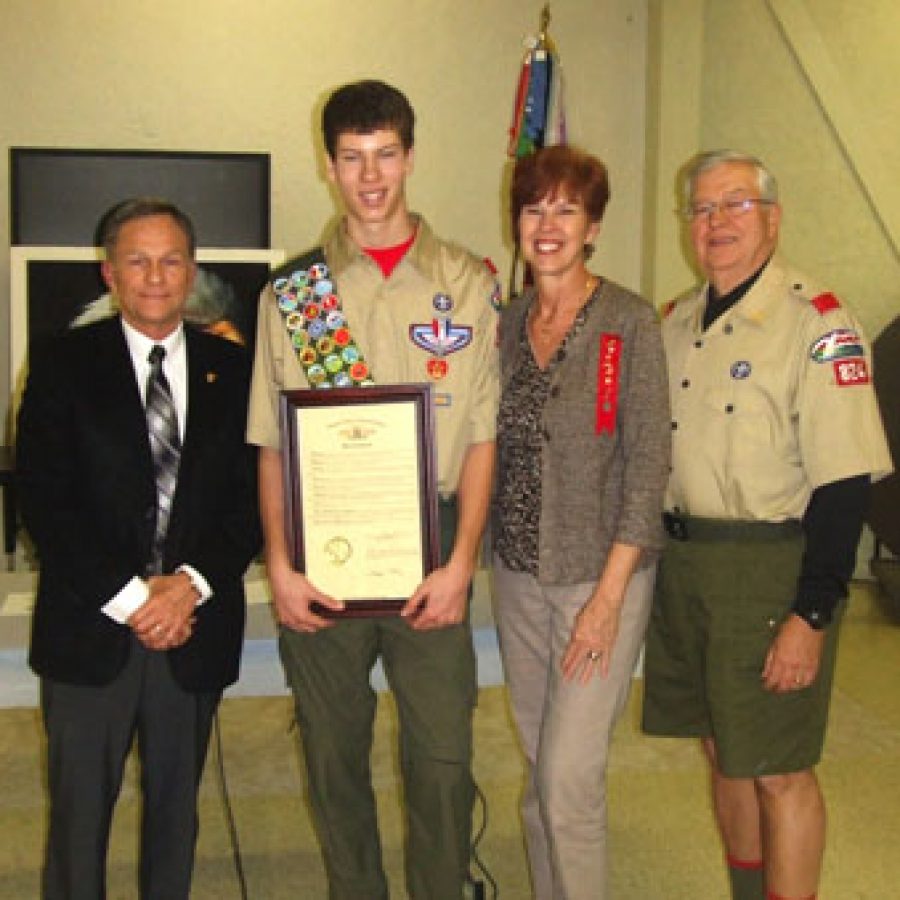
x=338 y=550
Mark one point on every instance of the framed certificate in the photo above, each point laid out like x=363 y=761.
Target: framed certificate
x=360 y=492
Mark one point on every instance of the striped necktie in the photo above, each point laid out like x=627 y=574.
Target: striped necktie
x=165 y=446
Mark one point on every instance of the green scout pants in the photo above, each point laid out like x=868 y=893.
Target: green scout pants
x=433 y=677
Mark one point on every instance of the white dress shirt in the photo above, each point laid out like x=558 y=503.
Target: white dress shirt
x=135 y=593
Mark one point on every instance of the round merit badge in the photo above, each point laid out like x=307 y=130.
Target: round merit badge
x=316 y=329
x=315 y=374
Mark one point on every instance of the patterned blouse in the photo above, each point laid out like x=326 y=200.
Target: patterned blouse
x=520 y=440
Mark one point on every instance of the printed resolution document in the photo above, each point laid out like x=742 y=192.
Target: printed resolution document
x=361 y=499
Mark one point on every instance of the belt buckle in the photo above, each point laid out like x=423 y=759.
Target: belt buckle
x=676 y=526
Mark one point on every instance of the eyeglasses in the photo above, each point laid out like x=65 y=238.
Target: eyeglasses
x=732 y=208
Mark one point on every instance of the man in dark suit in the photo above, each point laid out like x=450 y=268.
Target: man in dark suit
x=138 y=490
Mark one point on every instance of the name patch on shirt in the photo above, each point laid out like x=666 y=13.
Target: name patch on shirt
x=608 y=382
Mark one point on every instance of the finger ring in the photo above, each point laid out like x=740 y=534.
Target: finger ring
x=157 y=628
x=798 y=680
x=593 y=655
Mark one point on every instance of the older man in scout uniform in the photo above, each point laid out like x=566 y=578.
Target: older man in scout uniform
x=776 y=435
x=396 y=305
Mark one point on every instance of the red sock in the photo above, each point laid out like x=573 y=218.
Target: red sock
x=734 y=863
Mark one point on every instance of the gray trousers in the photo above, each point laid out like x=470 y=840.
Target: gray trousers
x=565 y=727
x=89 y=733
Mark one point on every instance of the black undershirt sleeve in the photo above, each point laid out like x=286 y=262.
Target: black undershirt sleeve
x=832 y=524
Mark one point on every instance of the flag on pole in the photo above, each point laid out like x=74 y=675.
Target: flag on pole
x=539 y=116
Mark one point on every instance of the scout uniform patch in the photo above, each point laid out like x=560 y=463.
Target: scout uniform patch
x=843 y=348
x=440 y=337
x=825 y=303
x=319 y=332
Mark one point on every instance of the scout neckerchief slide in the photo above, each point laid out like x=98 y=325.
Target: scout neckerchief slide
x=317 y=326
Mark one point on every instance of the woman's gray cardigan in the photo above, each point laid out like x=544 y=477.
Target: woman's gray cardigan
x=599 y=488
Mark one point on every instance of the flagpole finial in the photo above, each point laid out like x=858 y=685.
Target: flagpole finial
x=545 y=23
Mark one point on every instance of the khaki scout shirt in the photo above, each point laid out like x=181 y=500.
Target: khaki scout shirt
x=773 y=400
x=380 y=314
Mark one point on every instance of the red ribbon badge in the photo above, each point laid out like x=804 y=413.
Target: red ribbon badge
x=608 y=381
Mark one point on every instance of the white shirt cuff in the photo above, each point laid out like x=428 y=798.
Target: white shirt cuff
x=129 y=600
x=199 y=582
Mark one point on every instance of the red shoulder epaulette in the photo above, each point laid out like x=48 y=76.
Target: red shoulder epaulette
x=667 y=309
x=825 y=303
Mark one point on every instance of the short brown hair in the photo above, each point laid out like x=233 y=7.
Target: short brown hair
x=364 y=107
x=141 y=208
x=557 y=170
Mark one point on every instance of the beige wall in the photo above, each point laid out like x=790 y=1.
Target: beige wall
x=236 y=75
x=810 y=87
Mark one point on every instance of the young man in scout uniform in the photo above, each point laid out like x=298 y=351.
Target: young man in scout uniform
x=398 y=305
x=776 y=435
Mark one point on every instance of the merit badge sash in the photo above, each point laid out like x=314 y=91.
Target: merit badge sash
x=608 y=363
x=319 y=332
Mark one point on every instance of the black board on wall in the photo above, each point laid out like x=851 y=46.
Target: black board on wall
x=57 y=197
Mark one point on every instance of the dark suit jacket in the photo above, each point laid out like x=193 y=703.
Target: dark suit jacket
x=88 y=498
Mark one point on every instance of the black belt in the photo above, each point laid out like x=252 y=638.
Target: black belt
x=692 y=528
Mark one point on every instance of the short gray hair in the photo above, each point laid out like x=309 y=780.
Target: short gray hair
x=709 y=159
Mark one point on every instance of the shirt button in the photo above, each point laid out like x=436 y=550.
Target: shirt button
x=674 y=425
x=698 y=344
x=546 y=435
x=729 y=408
x=686 y=383
x=728 y=329
x=554 y=391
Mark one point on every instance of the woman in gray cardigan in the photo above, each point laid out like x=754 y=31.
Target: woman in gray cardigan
x=583 y=444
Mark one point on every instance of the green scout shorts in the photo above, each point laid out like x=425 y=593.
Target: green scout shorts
x=720 y=597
